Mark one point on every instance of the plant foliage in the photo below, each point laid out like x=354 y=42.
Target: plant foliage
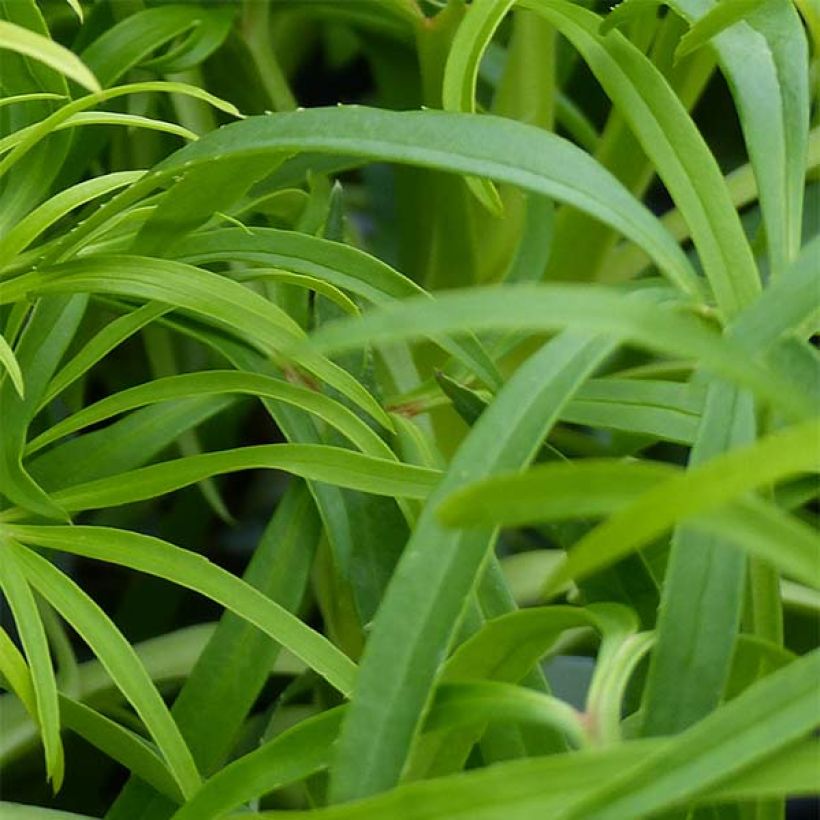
x=334 y=438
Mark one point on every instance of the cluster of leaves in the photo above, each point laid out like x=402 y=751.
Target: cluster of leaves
x=601 y=441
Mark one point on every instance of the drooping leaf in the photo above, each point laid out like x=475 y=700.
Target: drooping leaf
x=148 y=554
x=23 y=41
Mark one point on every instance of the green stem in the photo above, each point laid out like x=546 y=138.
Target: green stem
x=255 y=31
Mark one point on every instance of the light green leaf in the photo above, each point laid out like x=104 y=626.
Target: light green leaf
x=217 y=382
x=702 y=489
x=228 y=304
x=341 y=265
x=34 y=45
x=550 y=786
x=670 y=139
x=18 y=594
x=768 y=716
x=48 y=125
x=135 y=37
x=12 y=366
x=657 y=326
x=438 y=569
x=721 y=16
x=147 y=554
x=99 y=346
x=16 y=673
x=300 y=280
x=116 y=654
x=691 y=663
x=42 y=217
x=593 y=488
x=291 y=756
x=461 y=74
x=316 y=462
x=280 y=568
x=120 y=744
x=492 y=147
x=18 y=811
x=460 y=704
x=84 y=118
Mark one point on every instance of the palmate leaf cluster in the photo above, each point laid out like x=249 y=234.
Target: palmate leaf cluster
x=515 y=363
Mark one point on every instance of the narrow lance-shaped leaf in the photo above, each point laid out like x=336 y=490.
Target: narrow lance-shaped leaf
x=43 y=683
x=657 y=326
x=117 y=656
x=534 y=160
x=120 y=744
x=669 y=137
x=42 y=217
x=12 y=366
x=731 y=753
x=23 y=41
x=438 y=568
x=690 y=664
x=342 y=265
x=332 y=465
x=157 y=557
x=48 y=331
x=215 y=382
x=245 y=313
x=782 y=454
x=593 y=488
x=769 y=715
x=15 y=673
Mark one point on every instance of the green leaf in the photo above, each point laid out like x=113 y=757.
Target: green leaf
x=341 y=265
x=18 y=811
x=49 y=124
x=300 y=280
x=83 y=118
x=710 y=761
x=628 y=317
x=438 y=568
x=16 y=673
x=99 y=346
x=147 y=554
x=217 y=382
x=703 y=489
x=192 y=199
x=49 y=329
x=244 y=656
x=167 y=659
x=692 y=659
x=120 y=744
x=222 y=301
x=332 y=465
x=784 y=307
x=769 y=715
x=532 y=159
x=461 y=74
x=117 y=656
x=291 y=756
x=594 y=488
x=18 y=594
x=307 y=747
x=31 y=44
x=134 y=38
x=124 y=445
x=668 y=410
x=673 y=143
x=463 y=703
x=721 y=16
x=12 y=366
x=42 y=217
